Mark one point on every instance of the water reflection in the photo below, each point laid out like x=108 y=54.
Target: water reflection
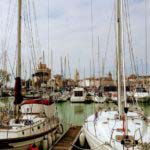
x=78 y=109
x=146 y=108
x=76 y=113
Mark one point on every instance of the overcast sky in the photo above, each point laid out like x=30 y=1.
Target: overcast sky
x=70 y=33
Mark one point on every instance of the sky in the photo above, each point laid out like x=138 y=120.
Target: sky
x=70 y=29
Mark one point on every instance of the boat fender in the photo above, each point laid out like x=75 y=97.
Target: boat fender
x=60 y=129
x=33 y=147
x=82 y=139
x=49 y=140
x=58 y=135
x=45 y=144
x=53 y=137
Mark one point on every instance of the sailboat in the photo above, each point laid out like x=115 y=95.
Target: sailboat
x=34 y=123
x=119 y=128
x=141 y=94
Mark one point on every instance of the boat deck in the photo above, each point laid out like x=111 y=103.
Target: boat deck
x=69 y=138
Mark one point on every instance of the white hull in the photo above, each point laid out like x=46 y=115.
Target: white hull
x=98 y=99
x=65 y=97
x=78 y=99
x=104 y=132
x=24 y=145
x=141 y=95
x=93 y=142
x=37 y=122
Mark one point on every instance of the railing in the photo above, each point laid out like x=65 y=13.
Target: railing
x=140 y=134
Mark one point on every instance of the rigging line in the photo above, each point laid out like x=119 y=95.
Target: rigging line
x=27 y=25
x=99 y=72
x=90 y=72
x=51 y=25
x=48 y=32
x=92 y=40
x=36 y=27
x=108 y=39
x=1 y=22
x=52 y=71
x=31 y=29
x=127 y=28
x=51 y=47
x=5 y=36
x=11 y=26
x=130 y=37
x=11 y=67
x=146 y=63
x=31 y=36
x=7 y=24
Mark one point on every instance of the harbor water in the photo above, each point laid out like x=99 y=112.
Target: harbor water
x=75 y=113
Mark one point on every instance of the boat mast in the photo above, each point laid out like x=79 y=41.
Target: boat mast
x=69 y=68
x=99 y=63
x=146 y=43
x=18 y=96
x=61 y=65
x=65 y=60
x=119 y=51
x=18 y=69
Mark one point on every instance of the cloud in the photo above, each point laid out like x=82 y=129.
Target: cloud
x=70 y=32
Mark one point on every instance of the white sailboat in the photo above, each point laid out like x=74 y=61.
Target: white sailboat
x=35 y=123
x=141 y=94
x=112 y=128
x=65 y=96
x=99 y=98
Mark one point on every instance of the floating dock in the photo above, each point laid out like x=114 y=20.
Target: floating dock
x=69 y=138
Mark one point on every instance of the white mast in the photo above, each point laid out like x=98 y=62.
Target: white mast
x=18 y=69
x=18 y=96
x=65 y=60
x=99 y=62
x=119 y=50
x=69 y=68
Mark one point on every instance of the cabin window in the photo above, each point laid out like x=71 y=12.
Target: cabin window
x=38 y=127
x=22 y=132
x=78 y=93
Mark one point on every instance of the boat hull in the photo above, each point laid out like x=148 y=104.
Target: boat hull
x=93 y=142
x=23 y=143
